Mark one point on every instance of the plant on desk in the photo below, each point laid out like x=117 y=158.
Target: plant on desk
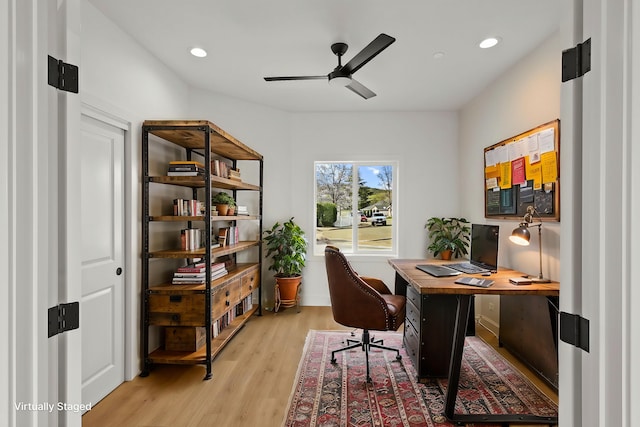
x=448 y=236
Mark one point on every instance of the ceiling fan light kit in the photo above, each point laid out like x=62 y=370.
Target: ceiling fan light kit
x=342 y=75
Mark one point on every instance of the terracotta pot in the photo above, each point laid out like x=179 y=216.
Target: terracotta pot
x=446 y=255
x=232 y=210
x=222 y=209
x=288 y=287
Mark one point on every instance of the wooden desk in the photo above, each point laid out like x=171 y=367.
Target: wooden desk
x=437 y=315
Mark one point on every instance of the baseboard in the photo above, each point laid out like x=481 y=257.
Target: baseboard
x=490 y=325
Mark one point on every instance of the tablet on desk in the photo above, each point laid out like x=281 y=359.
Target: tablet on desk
x=474 y=281
x=437 y=270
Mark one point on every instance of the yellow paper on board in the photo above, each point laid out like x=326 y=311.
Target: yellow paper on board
x=549 y=166
x=505 y=175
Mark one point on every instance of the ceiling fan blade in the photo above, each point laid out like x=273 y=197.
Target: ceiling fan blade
x=278 y=79
x=379 y=44
x=360 y=89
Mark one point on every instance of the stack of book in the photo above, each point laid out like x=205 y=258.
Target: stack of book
x=187 y=207
x=228 y=235
x=185 y=168
x=190 y=239
x=242 y=210
x=235 y=174
x=220 y=168
x=195 y=273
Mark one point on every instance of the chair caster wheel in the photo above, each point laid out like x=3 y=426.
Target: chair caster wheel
x=398 y=357
x=333 y=361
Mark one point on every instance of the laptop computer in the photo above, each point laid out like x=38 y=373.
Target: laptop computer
x=484 y=250
x=437 y=270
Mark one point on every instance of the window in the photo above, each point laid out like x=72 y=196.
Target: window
x=354 y=207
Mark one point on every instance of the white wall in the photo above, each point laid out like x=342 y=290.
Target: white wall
x=267 y=131
x=123 y=80
x=524 y=97
x=425 y=146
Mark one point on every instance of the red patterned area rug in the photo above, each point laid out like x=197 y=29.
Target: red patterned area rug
x=325 y=394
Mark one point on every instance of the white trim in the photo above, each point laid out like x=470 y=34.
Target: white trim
x=7 y=326
x=100 y=110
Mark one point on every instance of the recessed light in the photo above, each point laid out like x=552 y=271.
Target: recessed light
x=489 y=42
x=199 y=52
x=438 y=55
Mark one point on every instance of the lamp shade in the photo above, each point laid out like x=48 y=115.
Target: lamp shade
x=520 y=236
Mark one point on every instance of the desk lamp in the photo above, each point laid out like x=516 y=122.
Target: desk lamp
x=521 y=236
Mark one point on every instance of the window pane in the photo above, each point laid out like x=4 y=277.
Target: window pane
x=375 y=196
x=334 y=183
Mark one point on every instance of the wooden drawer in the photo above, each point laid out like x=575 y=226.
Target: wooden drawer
x=250 y=282
x=176 y=309
x=188 y=308
x=184 y=338
x=225 y=298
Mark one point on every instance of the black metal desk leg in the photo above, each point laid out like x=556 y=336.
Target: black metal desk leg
x=462 y=317
x=459 y=332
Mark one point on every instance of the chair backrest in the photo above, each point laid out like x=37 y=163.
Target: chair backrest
x=354 y=303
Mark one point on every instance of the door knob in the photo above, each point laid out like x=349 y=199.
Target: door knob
x=118 y=271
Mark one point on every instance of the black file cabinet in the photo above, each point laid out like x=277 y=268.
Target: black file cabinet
x=428 y=332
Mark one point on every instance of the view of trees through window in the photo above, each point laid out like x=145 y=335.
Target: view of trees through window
x=354 y=206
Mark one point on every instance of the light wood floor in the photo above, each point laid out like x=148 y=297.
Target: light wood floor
x=252 y=380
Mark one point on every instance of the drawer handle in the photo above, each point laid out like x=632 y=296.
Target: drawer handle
x=175 y=318
x=226 y=303
x=175 y=298
x=227 y=293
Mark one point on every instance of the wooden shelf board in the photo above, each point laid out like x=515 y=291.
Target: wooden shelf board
x=240 y=269
x=198 y=182
x=190 y=134
x=176 y=218
x=200 y=356
x=198 y=253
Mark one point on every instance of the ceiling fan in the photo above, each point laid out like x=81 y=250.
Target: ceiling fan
x=342 y=74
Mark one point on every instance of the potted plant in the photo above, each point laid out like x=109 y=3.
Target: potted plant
x=223 y=202
x=448 y=236
x=287 y=247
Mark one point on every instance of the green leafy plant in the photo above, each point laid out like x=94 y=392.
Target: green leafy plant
x=448 y=234
x=223 y=198
x=287 y=247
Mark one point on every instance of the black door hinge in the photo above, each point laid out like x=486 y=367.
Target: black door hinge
x=574 y=330
x=64 y=317
x=576 y=62
x=63 y=76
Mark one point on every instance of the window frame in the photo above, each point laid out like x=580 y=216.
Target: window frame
x=318 y=248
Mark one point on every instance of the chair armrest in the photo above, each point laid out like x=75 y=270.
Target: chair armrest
x=376 y=284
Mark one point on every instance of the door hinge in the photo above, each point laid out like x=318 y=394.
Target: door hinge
x=63 y=76
x=64 y=317
x=574 y=330
x=576 y=62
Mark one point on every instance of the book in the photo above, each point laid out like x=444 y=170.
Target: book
x=185 y=173
x=187 y=162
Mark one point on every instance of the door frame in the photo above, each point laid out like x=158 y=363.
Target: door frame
x=97 y=109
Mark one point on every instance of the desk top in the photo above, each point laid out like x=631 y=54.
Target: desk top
x=427 y=284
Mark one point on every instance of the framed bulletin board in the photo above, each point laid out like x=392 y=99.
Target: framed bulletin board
x=523 y=171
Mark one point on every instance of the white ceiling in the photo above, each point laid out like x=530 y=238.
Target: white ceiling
x=249 y=39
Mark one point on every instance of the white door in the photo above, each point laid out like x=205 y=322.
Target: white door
x=102 y=230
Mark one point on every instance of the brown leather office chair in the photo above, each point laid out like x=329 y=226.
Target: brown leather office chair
x=361 y=302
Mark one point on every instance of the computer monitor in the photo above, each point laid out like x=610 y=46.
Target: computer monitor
x=484 y=245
